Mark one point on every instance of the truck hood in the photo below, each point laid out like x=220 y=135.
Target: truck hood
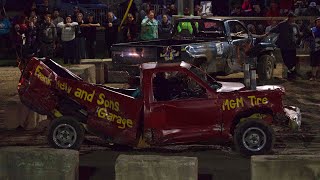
x=236 y=86
x=230 y=86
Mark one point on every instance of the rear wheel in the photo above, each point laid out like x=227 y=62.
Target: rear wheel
x=253 y=137
x=265 y=67
x=65 y=133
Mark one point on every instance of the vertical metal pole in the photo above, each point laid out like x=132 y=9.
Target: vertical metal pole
x=191 y=7
x=180 y=7
x=253 y=79
x=246 y=75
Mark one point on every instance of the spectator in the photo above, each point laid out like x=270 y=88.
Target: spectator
x=18 y=40
x=165 y=28
x=252 y=29
x=219 y=7
x=56 y=19
x=23 y=24
x=5 y=27
x=143 y=12
x=91 y=36
x=76 y=11
x=300 y=7
x=237 y=11
x=44 y=8
x=47 y=37
x=273 y=11
x=164 y=12
x=285 y=6
x=246 y=7
x=272 y=25
x=130 y=29
x=172 y=10
x=68 y=35
x=133 y=8
x=111 y=25
x=315 y=50
x=149 y=27
x=80 y=39
x=197 y=10
x=287 y=44
x=32 y=38
x=312 y=10
x=32 y=14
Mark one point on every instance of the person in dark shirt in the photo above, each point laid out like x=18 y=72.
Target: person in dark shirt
x=80 y=39
x=165 y=28
x=287 y=43
x=90 y=35
x=130 y=29
x=111 y=25
x=315 y=50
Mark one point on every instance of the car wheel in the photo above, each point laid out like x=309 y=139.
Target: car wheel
x=66 y=133
x=253 y=137
x=265 y=67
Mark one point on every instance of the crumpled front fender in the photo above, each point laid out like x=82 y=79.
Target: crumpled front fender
x=294 y=115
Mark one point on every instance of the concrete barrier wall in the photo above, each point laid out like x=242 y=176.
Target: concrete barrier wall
x=86 y=71
x=147 y=167
x=17 y=114
x=285 y=167
x=17 y=163
x=102 y=67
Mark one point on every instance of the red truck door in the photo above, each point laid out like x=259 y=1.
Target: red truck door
x=182 y=110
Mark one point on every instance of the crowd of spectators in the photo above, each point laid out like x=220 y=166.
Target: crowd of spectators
x=44 y=31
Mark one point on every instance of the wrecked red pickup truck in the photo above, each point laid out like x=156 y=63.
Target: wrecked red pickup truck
x=175 y=103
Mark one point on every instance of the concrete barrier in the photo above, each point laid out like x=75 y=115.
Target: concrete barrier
x=17 y=114
x=285 y=167
x=38 y=163
x=118 y=76
x=102 y=67
x=86 y=71
x=142 y=167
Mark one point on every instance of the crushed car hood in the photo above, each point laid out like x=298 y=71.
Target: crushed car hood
x=230 y=86
x=236 y=86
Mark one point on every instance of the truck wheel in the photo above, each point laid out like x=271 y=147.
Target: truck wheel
x=253 y=137
x=265 y=67
x=66 y=133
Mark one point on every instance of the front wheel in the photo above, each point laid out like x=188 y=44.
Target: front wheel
x=253 y=137
x=66 y=133
x=265 y=67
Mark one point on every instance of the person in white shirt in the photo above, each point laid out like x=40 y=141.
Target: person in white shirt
x=68 y=39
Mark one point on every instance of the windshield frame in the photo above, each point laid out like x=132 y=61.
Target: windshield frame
x=213 y=85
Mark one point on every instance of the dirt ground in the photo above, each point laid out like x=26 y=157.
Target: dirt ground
x=216 y=160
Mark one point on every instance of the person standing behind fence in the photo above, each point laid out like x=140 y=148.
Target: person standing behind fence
x=90 y=35
x=47 y=37
x=31 y=38
x=287 y=44
x=165 y=28
x=80 y=39
x=130 y=29
x=5 y=27
x=18 y=39
x=68 y=31
x=111 y=25
x=315 y=50
x=149 y=27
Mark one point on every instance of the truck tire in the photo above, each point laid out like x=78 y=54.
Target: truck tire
x=253 y=137
x=65 y=133
x=265 y=67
